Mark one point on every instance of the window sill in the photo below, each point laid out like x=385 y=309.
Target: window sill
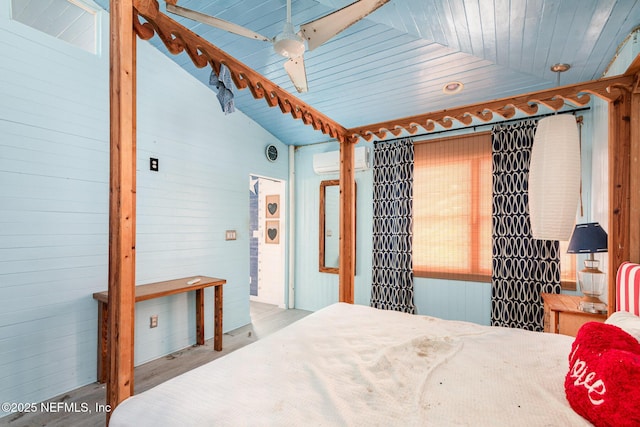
x=565 y=285
x=465 y=277
x=568 y=285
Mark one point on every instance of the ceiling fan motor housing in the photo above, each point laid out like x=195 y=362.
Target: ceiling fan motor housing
x=288 y=43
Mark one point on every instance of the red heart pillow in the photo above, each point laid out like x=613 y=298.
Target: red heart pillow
x=603 y=382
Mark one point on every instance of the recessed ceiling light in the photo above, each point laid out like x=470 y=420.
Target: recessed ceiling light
x=560 y=68
x=452 y=87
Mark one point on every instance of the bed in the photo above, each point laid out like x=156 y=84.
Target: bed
x=355 y=365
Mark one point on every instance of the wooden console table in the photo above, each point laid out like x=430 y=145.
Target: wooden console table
x=158 y=290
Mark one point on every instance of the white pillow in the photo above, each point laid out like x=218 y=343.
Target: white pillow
x=630 y=323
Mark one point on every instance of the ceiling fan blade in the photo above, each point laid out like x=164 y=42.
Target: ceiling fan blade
x=297 y=73
x=215 y=22
x=322 y=29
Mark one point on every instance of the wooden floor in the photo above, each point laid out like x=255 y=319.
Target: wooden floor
x=265 y=319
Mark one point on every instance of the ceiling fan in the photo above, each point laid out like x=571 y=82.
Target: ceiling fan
x=289 y=43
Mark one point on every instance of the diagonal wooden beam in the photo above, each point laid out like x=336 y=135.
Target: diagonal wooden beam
x=178 y=38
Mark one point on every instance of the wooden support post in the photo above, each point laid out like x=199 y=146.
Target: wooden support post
x=619 y=173
x=122 y=202
x=347 y=223
x=634 y=171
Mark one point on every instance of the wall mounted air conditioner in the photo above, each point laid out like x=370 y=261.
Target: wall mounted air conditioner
x=325 y=163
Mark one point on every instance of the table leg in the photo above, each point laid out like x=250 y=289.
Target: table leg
x=217 y=314
x=555 y=325
x=200 y=316
x=103 y=360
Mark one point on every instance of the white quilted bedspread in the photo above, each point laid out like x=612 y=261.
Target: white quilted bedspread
x=349 y=365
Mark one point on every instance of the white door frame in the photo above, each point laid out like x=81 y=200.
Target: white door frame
x=271 y=234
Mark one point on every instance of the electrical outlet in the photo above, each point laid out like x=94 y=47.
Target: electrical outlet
x=230 y=235
x=153 y=321
x=154 y=164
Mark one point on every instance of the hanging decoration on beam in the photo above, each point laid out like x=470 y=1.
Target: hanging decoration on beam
x=224 y=87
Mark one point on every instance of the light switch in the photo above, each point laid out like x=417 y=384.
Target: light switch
x=230 y=235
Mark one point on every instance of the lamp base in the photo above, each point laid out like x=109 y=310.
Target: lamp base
x=590 y=304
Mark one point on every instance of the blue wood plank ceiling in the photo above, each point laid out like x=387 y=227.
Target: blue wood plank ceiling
x=395 y=62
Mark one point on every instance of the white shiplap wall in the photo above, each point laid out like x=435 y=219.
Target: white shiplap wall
x=54 y=173
x=313 y=289
x=54 y=127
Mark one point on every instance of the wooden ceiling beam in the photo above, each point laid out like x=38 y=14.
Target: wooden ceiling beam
x=178 y=38
x=577 y=95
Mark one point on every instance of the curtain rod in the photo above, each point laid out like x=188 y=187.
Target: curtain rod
x=474 y=127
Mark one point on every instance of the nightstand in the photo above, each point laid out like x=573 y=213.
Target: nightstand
x=562 y=315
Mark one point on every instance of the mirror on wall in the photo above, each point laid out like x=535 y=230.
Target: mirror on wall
x=329 y=254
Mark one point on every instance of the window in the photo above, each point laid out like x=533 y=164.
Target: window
x=452 y=211
x=452 y=208
x=568 y=269
x=70 y=20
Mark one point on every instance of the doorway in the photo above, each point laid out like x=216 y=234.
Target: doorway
x=267 y=231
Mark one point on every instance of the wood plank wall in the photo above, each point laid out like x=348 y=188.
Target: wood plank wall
x=54 y=173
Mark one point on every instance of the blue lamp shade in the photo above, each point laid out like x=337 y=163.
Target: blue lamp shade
x=587 y=239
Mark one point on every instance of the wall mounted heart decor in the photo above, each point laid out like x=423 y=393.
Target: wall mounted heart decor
x=273 y=206
x=272 y=234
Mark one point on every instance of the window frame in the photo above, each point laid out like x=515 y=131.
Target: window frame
x=474 y=275
x=73 y=13
x=569 y=284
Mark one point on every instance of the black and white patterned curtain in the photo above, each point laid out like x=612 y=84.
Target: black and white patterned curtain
x=523 y=267
x=392 y=278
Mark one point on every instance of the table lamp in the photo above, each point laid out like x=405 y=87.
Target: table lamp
x=588 y=239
